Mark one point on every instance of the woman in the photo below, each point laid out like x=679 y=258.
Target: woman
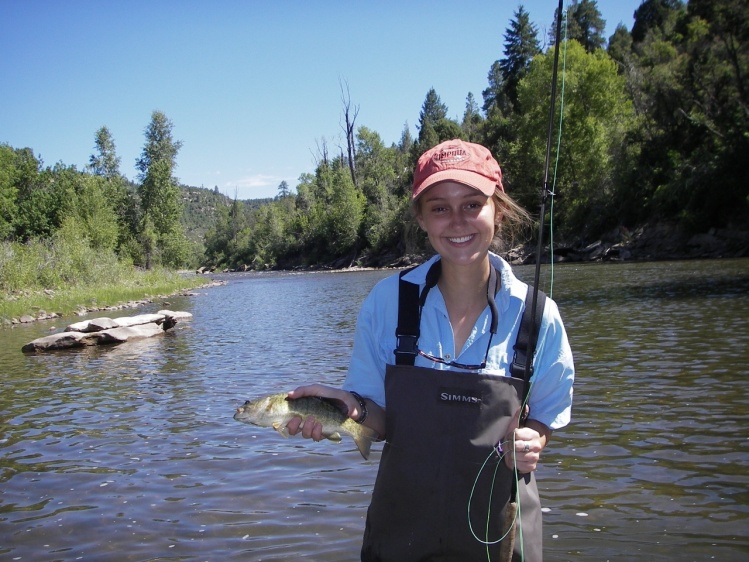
x=456 y=476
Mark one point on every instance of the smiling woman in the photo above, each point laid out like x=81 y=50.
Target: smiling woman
x=444 y=332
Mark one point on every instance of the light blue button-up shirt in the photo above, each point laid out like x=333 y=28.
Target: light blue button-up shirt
x=550 y=397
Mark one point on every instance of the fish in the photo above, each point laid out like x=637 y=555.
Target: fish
x=276 y=410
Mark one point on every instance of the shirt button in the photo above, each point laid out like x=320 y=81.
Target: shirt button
x=447 y=356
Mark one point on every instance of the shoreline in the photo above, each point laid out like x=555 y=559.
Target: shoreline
x=85 y=310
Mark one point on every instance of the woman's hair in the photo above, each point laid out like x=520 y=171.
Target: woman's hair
x=512 y=223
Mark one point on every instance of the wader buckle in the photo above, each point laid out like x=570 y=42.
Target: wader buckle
x=406 y=345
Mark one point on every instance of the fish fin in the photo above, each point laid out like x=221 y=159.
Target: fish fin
x=335 y=437
x=364 y=440
x=281 y=428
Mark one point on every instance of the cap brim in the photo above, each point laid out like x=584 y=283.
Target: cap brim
x=471 y=179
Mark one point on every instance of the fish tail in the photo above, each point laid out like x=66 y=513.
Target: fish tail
x=364 y=440
x=508 y=532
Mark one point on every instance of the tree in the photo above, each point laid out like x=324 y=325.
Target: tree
x=432 y=111
x=92 y=214
x=377 y=167
x=161 y=206
x=652 y=14
x=495 y=95
x=105 y=162
x=597 y=114
x=283 y=189
x=350 y=115
x=584 y=24
x=521 y=45
x=472 y=119
x=620 y=47
x=8 y=191
x=693 y=65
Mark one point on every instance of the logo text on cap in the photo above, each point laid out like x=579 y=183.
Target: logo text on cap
x=451 y=155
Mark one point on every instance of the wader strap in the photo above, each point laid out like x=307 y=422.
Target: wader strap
x=409 y=314
x=525 y=344
x=407 y=332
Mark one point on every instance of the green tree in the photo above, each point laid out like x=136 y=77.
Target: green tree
x=92 y=214
x=376 y=165
x=521 y=45
x=695 y=135
x=345 y=213
x=161 y=206
x=652 y=15
x=105 y=161
x=283 y=189
x=620 y=48
x=472 y=119
x=8 y=191
x=597 y=114
x=584 y=24
x=495 y=94
x=432 y=111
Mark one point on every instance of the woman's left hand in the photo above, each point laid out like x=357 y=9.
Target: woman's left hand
x=528 y=441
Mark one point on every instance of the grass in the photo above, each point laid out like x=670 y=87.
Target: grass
x=64 y=277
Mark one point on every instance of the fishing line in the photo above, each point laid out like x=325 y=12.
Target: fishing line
x=517 y=519
x=556 y=160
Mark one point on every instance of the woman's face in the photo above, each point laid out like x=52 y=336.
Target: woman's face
x=459 y=220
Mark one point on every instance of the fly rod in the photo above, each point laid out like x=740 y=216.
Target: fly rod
x=545 y=191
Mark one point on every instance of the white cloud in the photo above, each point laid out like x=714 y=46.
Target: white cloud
x=256 y=181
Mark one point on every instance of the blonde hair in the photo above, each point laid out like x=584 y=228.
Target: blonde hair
x=512 y=222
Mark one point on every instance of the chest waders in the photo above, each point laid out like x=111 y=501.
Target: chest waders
x=442 y=426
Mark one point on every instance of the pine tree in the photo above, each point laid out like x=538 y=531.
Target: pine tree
x=521 y=45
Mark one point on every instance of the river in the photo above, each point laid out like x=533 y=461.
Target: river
x=131 y=453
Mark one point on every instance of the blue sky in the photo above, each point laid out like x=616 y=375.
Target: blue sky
x=252 y=87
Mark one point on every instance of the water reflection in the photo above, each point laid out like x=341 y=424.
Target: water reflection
x=131 y=453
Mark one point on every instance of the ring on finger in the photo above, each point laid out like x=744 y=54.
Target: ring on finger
x=526 y=447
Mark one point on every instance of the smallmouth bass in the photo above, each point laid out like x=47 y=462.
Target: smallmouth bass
x=276 y=410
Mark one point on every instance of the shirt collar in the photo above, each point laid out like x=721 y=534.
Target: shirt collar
x=511 y=286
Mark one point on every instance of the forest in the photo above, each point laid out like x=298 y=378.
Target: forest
x=653 y=127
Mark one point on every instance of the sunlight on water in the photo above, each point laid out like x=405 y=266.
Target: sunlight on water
x=131 y=452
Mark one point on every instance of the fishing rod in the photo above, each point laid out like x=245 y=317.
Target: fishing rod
x=545 y=191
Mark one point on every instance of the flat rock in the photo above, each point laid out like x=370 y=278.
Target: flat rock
x=176 y=314
x=63 y=340
x=108 y=331
x=129 y=333
x=126 y=321
x=93 y=325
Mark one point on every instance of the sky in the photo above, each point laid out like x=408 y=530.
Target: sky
x=253 y=88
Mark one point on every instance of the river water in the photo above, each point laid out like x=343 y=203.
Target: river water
x=131 y=452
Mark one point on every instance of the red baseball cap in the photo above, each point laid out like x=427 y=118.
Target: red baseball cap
x=459 y=161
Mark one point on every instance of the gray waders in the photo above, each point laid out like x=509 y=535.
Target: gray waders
x=440 y=460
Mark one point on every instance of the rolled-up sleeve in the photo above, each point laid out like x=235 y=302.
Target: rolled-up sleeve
x=550 y=397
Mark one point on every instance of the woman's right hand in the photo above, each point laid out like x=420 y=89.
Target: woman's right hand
x=310 y=427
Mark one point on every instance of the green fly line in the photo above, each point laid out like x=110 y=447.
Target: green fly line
x=556 y=162
x=517 y=517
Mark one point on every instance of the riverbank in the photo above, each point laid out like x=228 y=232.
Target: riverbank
x=653 y=242
x=30 y=306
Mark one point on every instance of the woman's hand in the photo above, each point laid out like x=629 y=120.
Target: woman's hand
x=529 y=441
x=310 y=427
